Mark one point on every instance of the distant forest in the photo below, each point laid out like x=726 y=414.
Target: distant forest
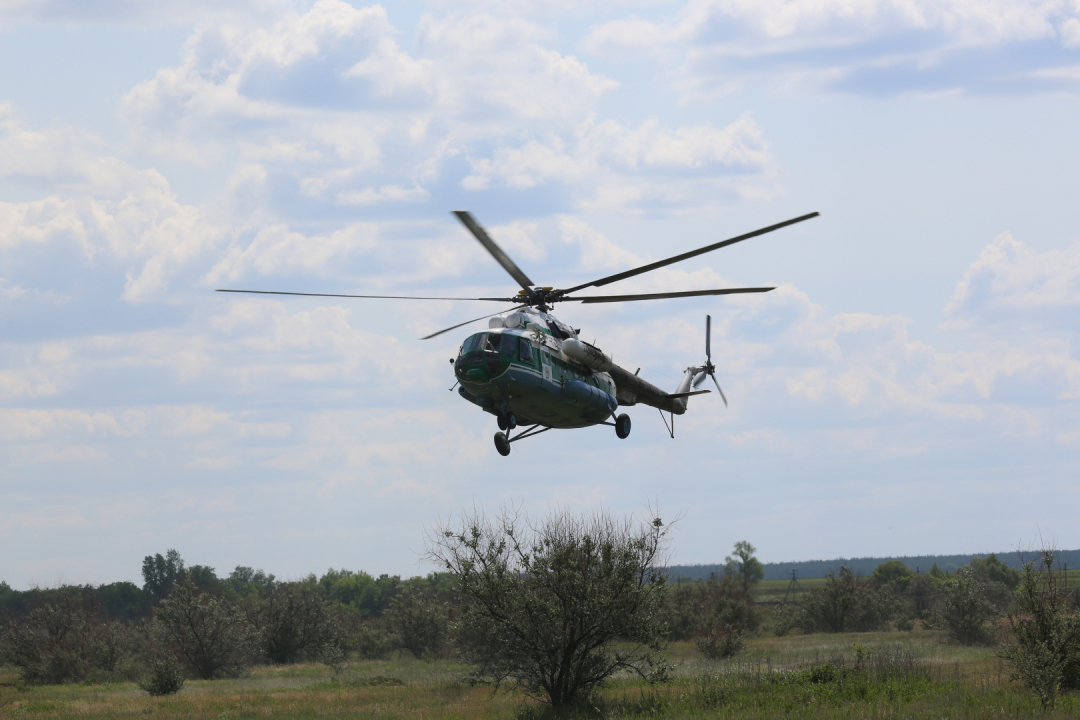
x=866 y=565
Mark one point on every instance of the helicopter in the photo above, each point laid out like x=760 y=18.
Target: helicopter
x=534 y=372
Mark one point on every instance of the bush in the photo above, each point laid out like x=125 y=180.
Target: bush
x=210 y=634
x=293 y=622
x=371 y=641
x=847 y=604
x=991 y=569
x=419 y=622
x=723 y=642
x=1046 y=651
x=711 y=610
x=966 y=609
x=60 y=639
x=784 y=619
x=925 y=592
x=893 y=572
x=558 y=607
x=166 y=677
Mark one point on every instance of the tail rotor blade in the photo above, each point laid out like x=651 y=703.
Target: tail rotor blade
x=708 y=337
x=699 y=379
x=722 y=396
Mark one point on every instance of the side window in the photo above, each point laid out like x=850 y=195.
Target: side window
x=526 y=350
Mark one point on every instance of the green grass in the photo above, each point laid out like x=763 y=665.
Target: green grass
x=773 y=678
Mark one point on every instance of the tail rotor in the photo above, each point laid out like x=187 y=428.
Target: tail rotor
x=708 y=369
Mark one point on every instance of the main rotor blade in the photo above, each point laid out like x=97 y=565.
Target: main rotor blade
x=455 y=327
x=722 y=396
x=380 y=297
x=708 y=338
x=496 y=252
x=688 y=255
x=662 y=296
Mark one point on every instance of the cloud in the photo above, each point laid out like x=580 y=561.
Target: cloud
x=1010 y=282
x=711 y=47
x=149 y=12
x=327 y=102
x=647 y=165
x=98 y=207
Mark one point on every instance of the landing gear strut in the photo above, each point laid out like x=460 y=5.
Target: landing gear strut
x=622 y=426
x=503 y=440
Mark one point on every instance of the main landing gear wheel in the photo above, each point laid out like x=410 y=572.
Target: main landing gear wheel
x=622 y=426
x=507 y=421
x=502 y=444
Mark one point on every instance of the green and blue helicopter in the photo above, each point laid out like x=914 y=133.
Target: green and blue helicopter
x=534 y=373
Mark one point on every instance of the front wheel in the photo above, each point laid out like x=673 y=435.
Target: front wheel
x=622 y=426
x=502 y=444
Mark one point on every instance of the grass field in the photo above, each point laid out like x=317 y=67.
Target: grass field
x=763 y=682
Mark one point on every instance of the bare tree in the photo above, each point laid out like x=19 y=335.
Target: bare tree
x=543 y=604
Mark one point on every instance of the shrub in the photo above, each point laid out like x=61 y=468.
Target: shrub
x=209 y=633
x=847 y=604
x=966 y=609
x=557 y=607
x=371 y=641
x=293 y=622
x=784 y=619
x=991 y=569
x=166 y=677
x=419 y=622
x=60 y=639
x=723 y=642
x=925 y=592
x=1046 y=650
x=893 y=572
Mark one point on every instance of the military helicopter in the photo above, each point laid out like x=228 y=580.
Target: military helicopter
x=532 y=371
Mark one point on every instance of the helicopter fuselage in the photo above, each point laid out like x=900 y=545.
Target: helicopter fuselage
x=521 y=370
x=520 y=365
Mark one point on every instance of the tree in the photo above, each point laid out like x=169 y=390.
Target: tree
x=293 y=622
x=557 y=607
x=965 y=609
x=61 y=639
x=161 y=573
x=924 y=593
x=895 y=573
x=991 y=569
x=419 y=621
x=246 y=582
x=846 y=604
x=744 y=565
x=1046 y=651
x=209 y=633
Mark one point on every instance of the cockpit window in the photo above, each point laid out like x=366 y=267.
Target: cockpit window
x=509 y=344
x=476 y=342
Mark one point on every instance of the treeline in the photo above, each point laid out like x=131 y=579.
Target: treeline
x=186 y=621
x=865 y=566
x=356 y=591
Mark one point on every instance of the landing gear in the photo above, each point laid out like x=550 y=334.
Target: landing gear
x=622 y=426
x=501 y=443
x=507 y=421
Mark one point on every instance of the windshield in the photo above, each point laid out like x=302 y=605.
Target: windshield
x=476 y=342
x=479 y=341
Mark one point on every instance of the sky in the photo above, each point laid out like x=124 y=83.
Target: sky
x=912 y=386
